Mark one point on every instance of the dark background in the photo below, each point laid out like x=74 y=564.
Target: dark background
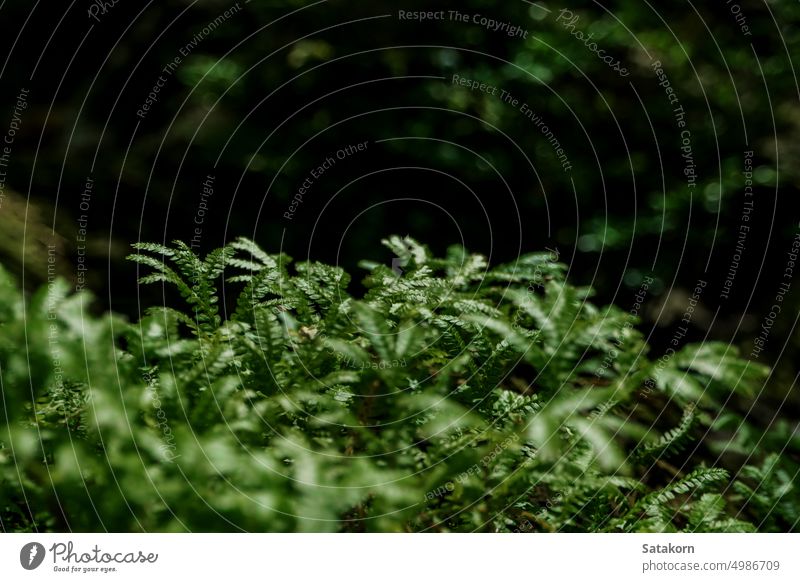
x=276 y=88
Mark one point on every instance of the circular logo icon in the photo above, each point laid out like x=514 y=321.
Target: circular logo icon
x=31 y=555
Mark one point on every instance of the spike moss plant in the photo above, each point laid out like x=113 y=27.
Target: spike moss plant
x=452 y=396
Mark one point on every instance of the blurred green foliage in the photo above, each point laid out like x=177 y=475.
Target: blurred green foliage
x=451 y=397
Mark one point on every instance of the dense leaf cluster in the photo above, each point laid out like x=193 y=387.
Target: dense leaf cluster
x=450 y=397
